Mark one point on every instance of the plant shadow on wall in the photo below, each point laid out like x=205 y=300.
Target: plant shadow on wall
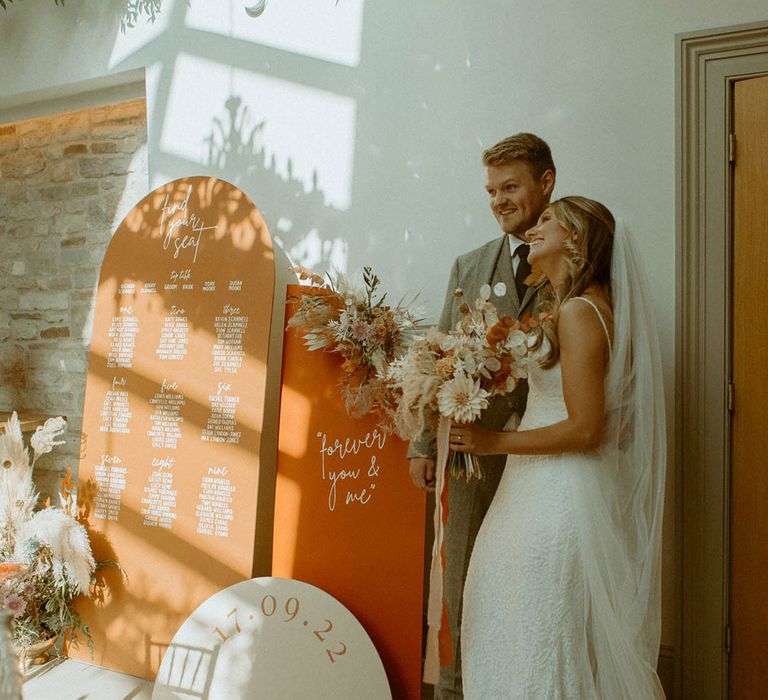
x=316 y=235
x=133 y=12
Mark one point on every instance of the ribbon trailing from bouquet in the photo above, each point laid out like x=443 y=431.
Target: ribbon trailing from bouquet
x=439 y=650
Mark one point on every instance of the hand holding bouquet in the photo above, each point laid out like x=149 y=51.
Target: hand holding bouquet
x=454 y=375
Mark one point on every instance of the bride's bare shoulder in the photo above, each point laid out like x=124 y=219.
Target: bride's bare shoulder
x=578 y=318
x=575 y=310
x=600 y=299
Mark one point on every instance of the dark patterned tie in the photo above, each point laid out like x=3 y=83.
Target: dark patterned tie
x=523 y=270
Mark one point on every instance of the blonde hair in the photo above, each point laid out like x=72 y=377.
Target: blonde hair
x=588 y=258
x=528 y=147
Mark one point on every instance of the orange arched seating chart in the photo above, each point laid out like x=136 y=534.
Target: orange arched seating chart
x=174 y=405
x=347 y=517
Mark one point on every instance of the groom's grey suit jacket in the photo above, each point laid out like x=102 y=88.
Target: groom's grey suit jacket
x=469 y=501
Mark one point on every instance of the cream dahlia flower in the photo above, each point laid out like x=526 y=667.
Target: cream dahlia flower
x=462 y=399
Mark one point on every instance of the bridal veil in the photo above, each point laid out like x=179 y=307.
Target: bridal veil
x=618 y=498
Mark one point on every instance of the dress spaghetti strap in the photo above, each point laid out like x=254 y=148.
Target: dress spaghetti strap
x=602 y=321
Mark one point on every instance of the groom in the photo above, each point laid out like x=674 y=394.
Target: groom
x=520 y=177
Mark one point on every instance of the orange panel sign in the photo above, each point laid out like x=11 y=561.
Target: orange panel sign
x=173 y=412
x=347 y=517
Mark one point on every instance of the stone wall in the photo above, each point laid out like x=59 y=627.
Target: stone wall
x=66 y=182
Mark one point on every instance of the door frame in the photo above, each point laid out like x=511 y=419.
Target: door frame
x=707 y=64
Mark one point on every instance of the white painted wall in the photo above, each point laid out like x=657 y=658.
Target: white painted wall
x=383 y=108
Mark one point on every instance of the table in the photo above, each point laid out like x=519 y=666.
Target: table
x=68 y=679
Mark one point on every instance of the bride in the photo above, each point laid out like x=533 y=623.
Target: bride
x=562 y=598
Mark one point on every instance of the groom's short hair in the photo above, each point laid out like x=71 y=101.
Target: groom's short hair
x=527 y=147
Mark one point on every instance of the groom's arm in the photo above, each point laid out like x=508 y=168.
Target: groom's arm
x=423 y=447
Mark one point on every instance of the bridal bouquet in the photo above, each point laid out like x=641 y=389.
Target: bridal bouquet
x=454 y=375
x=50 y=547
x=346 y=317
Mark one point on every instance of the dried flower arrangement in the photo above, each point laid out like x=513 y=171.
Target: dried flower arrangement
x=342 y=315
x=50 y=543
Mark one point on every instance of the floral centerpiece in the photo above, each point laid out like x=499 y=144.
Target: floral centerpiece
x=51 y=546
x=454 y=375
x=343 y=316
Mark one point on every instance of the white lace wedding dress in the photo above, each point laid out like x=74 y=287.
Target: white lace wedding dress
x=531 y=628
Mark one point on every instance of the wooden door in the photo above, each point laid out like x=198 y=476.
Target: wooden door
x=749 y=471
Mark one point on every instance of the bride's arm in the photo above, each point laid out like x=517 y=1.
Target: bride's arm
x=583 y=359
